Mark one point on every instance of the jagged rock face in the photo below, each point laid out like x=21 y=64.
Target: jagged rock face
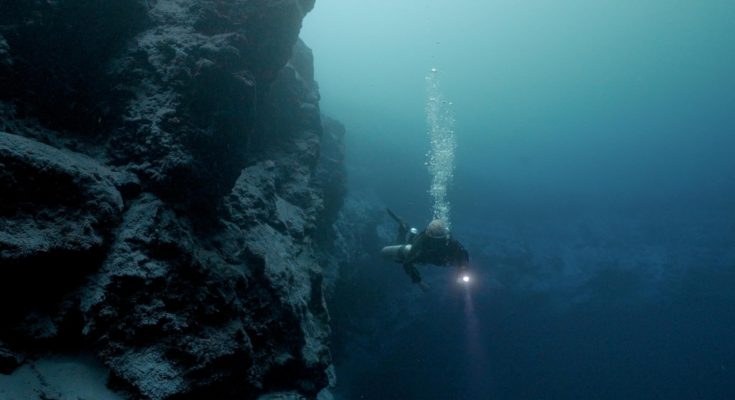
x=167 y=189
x=195 y=81
x=56 y=210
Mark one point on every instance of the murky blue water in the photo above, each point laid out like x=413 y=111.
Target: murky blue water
x=594 y=186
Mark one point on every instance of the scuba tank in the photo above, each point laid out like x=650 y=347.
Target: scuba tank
x=396 y=253
x=399 y=252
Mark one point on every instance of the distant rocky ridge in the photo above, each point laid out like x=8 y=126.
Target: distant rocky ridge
x=167 y=194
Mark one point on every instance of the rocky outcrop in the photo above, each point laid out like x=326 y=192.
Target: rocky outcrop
x=58 y=208
x=54 y=201
x=168 y=194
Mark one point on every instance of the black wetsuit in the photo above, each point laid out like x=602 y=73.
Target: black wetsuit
x=443 y=252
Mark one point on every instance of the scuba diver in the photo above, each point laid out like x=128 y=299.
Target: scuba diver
x=433 y=245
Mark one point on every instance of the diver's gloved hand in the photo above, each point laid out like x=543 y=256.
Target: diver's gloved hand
x=424 y=286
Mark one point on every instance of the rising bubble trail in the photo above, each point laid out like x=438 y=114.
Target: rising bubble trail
x=440 y=159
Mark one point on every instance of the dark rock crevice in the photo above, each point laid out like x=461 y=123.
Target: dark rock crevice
x=59 y=52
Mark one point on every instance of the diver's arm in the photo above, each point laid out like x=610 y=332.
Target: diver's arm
x=465 y=257
x=461 y=257
x=462 y=262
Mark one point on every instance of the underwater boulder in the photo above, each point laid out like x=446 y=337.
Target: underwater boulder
x=56 y=211
x=54 y=201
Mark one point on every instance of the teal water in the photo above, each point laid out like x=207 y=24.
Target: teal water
x=562 y=95
x=594 y=186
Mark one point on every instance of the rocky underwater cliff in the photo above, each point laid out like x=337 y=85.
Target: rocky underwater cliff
x=168 y=189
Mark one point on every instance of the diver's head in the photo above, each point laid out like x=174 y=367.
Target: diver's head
x=437 y=229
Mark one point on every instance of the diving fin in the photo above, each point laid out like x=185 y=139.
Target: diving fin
x=403 y=227
x=394 y=216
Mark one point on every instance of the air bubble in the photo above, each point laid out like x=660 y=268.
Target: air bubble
x=440 y=159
